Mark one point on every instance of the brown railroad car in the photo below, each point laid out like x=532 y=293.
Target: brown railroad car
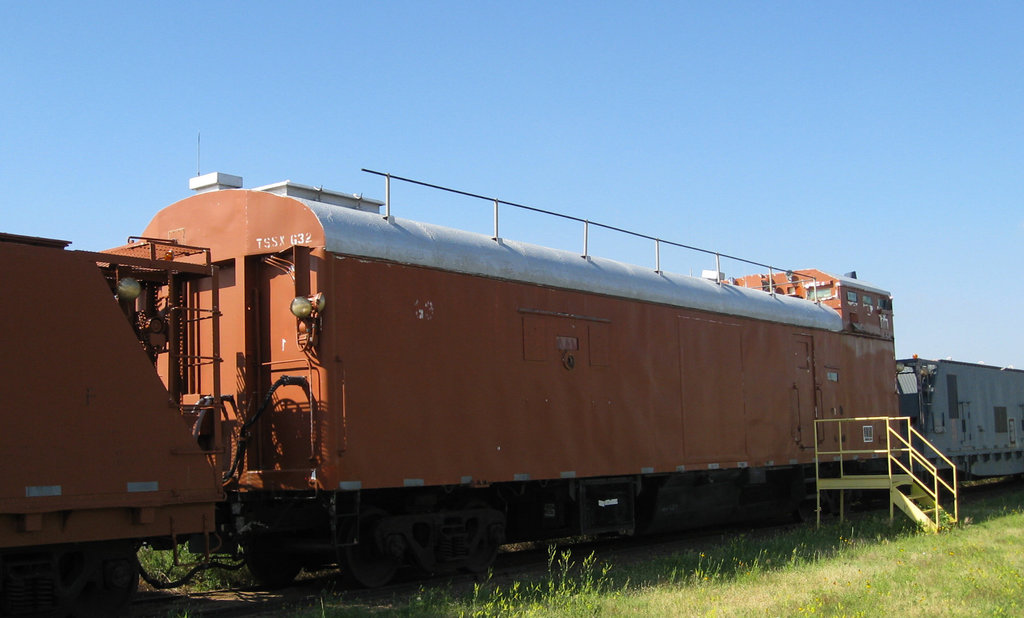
x=94 y=453
x=414 y=393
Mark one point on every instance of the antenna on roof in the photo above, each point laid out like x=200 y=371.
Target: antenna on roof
x=199 y=138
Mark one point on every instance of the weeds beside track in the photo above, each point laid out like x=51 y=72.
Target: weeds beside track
x=864 y=566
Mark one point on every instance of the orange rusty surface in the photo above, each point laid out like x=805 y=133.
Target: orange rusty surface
x=478 y=387
x=89 y=436
x=437 y=377
x=237 y=222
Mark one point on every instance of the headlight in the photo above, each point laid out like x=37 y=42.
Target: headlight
x=301 y=307
x=128 y=289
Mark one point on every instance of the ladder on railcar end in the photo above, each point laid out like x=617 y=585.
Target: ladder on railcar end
x=177 y=317
x=193 y=330
x=912 y=476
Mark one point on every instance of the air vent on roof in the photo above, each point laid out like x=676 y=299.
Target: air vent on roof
x=324 y=196
x=214 y=181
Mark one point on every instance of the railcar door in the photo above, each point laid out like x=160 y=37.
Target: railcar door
x=957 y=421
x=284 y=428
x=803 y=397
x=711 y=364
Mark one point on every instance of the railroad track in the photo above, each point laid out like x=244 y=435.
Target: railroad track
x=520 y=562
x=524 y=561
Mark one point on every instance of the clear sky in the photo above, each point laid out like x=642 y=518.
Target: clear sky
x=881 y=137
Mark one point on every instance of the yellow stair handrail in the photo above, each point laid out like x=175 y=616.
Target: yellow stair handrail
x=916 y=457
x=903 y=457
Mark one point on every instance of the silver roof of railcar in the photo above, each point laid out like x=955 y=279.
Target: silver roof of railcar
x=364 y=234
x=943 y=363
x=862 y=285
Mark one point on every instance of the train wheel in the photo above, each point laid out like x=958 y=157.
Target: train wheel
x=365 y=563
x=98 y=581
x=271 y=567
x=487 y=538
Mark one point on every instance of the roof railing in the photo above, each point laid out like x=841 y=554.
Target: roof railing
x=587 y=223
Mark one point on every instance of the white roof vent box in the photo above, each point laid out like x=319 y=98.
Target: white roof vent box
x=219 y=181
x=323 y=196
x=214 y=181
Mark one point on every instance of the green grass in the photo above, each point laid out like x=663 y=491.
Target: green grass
x=863 y=567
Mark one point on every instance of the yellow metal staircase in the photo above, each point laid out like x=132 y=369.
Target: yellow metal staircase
x=912 y=479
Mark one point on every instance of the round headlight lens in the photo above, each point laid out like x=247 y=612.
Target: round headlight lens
x=128 y=289
x=301 y=307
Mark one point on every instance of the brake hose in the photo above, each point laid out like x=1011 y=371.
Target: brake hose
x=243 y=433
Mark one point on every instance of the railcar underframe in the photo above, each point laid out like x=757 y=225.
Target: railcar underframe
x=371 y=533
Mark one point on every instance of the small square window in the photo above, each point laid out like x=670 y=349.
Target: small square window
x=567 y=343
x=867 y=300
x=851 y=297
x=1000 y=419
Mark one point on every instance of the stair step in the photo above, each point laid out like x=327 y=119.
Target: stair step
x=913 y=511
x=865 y=481
x=921 y=499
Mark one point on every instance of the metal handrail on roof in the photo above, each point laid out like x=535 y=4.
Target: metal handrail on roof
x=587 y=223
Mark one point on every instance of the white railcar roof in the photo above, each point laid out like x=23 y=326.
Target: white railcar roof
x=860 y=284
x=363 y=234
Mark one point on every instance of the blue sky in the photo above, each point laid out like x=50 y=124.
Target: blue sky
x=884 y=138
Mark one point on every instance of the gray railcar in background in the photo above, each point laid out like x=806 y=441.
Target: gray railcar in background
x=973 y=413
